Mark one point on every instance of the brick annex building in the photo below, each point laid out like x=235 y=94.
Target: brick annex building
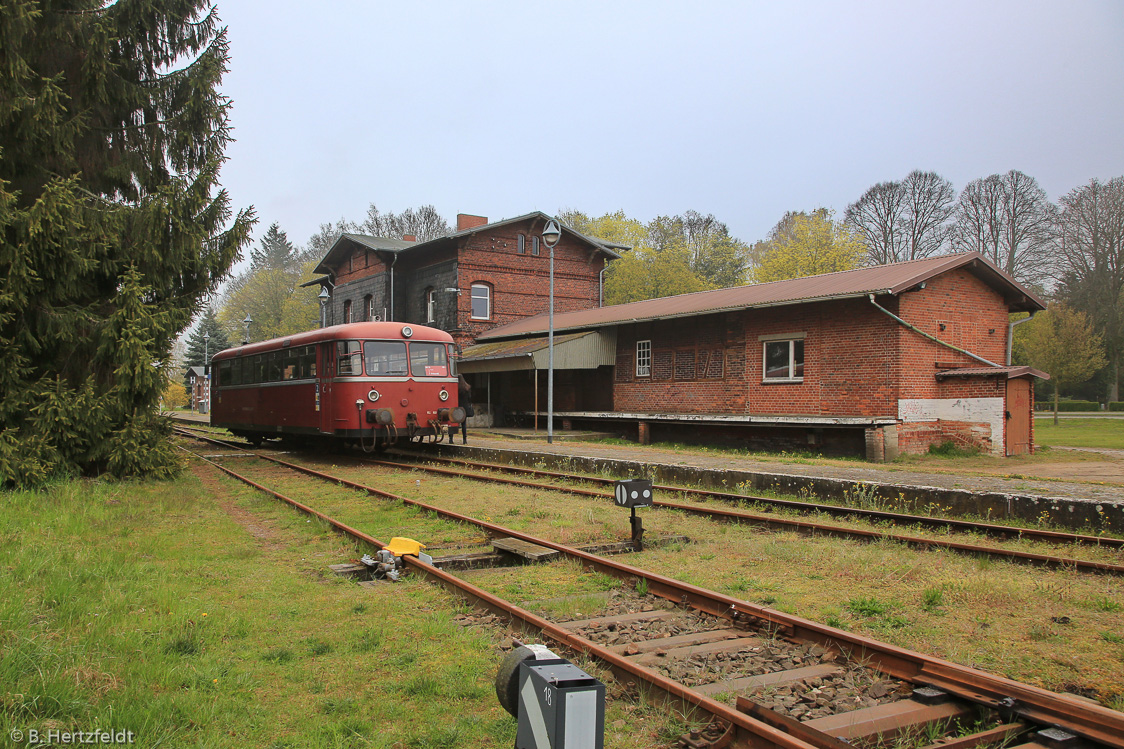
x=873 y=361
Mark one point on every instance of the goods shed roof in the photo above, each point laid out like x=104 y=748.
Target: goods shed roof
x=880 y=279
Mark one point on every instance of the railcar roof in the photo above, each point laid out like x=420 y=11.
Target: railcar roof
x=350 y=331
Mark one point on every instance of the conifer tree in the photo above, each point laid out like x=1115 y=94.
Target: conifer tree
x=112 y=224
x=200 y=348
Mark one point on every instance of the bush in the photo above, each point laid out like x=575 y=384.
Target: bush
x=949 y=449
x=1070 y=406
x=1116 y=405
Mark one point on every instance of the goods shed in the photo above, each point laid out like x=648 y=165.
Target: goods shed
x=873 y=361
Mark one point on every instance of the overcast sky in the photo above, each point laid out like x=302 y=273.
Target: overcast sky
x=740 y=109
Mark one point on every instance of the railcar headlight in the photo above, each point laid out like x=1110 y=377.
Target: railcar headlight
x=407 y=331
x=372 y=395
x=443 y=395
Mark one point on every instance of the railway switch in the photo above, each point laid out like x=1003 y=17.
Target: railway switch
x=388 y=562
x=633 y=493
x=556 y=703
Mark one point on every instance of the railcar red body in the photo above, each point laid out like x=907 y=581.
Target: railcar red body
x=373 y=383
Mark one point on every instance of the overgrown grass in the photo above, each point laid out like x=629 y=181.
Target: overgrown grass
x=144 y=607
x=1107 y=433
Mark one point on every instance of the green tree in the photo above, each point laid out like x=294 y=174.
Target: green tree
x=199 y=346
x=112 y=226
x=1089 y=237
x=1061 y=342
x=270 y=292
x=670 y=255
x=804 y=244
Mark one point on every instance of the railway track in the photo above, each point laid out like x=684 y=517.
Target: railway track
x=807 y=527
x=798 y=684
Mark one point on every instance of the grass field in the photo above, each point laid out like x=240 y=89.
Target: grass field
x=145 y=607
x=1108 y=433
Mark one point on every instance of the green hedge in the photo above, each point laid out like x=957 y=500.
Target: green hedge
x=1116 y=405
x=1072 y=406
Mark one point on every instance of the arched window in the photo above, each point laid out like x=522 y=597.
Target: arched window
x=535 y=245
x=481 y=301
x=430 y=306
x=522 y=245
x=347 y=311
x=368 y=308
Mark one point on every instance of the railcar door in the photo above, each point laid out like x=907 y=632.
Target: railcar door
x=325 y=371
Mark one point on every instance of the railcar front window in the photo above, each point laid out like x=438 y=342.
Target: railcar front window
x=385 y=358
x=428 y=360
x=350 y=359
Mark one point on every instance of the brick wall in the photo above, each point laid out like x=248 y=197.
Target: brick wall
x=520 y=282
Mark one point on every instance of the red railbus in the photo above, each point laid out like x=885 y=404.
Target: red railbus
x=370 y=383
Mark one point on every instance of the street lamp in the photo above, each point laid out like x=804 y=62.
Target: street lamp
x=551 y=233
x=207 y=368
x=323 y=297
x=246 y=329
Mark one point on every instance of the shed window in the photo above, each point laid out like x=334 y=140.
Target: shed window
x=784 y=361
x=534 y=245
x=481 y=301
x=643 y=358
x=347 y=311
x=522 y=244
x=368 y=308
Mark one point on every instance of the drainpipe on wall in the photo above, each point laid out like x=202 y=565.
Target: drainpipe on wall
x=930 y=337
x=601 y=286
x=1011 y=335
x=390 y=315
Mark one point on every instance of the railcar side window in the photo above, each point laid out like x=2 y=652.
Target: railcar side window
x=258 y=372
x=350 y=358
x=235 y=372
x=307 y=362
x=428 y=360
x=224 y=374
x=385 y=358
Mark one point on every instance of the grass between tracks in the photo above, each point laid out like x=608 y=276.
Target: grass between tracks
x=1057 y=629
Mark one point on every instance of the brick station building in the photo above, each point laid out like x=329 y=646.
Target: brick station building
x=873 y=361
x=482 y=276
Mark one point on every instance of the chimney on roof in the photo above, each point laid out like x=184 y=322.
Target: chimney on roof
x=409 y=237
x=468 y=221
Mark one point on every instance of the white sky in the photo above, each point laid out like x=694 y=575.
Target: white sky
x=741 y=109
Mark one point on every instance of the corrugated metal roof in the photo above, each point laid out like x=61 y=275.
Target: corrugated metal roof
x=1007 y=372
x=880 y=279
x=587 y=350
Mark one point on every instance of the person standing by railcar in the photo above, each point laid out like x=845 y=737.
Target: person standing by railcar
x=464 y=398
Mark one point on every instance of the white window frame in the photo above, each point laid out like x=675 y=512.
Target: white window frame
x=472 y=301
x=644 y=358
x=790 y=339
x=430 y=306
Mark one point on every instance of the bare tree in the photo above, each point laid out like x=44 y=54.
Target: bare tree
x=424 y=223
x=1089 y=240
x=1008 y=219
x=905 y=220
x=878 y=217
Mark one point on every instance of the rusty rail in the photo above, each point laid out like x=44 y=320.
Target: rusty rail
x=1092 y=721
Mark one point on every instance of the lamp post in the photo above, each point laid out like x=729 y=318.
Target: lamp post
x=323 y=297
x=551 y=233
x=246 y=329
x=207 y=369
